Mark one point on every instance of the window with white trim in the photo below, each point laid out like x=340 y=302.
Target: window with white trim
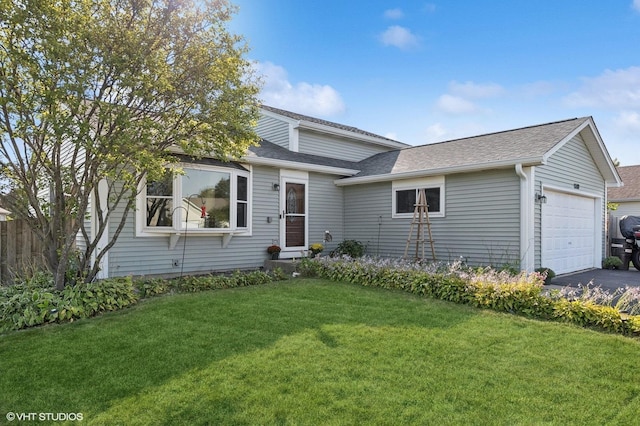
x=203 y=198
x=405 y=195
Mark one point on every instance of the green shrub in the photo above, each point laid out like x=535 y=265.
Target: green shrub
x=588 y=314
x=148 y=287
x=611 y=262
x=219 y=281
x=351 y=248
x=35 y=278
x=21 y=306
x=518 y=297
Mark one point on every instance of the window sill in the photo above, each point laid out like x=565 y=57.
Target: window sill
x=163 y=232
x=174 y=236
x=410 y=215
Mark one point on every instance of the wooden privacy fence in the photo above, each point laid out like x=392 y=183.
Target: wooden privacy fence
x=20 y=250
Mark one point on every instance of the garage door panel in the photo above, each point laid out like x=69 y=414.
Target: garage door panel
x=568 y=232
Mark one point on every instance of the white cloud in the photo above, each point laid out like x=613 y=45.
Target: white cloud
x=538 y=88
x=636 y=5
x=453 y=129
x=461 y=96
x=628 y=122
x=302 y=97
x=393 y=14
x=476 y=91
x=429 y=7
x=455 y=104
x=612 y=89
x=399 y=37
x=435 y=132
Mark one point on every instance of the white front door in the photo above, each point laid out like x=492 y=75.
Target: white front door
x=294 y=207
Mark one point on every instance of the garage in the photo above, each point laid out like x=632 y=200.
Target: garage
x=568 y=232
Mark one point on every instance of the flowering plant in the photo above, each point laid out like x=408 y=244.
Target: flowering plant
x=273 y=249
x=316 y=248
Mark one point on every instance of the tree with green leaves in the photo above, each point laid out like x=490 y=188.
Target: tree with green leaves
x=97 y=94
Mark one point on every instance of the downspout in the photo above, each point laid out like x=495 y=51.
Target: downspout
x=527 y=255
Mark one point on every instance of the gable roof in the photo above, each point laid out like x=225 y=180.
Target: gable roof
x=527 y=146
x=630 y=176
x=313 y=123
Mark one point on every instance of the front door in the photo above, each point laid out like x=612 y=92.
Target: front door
x=293 y=218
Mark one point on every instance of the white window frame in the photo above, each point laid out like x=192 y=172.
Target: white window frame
x=143 y=230
x=409 y=184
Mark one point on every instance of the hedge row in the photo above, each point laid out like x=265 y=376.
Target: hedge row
x=30 y=304
x=521 y=294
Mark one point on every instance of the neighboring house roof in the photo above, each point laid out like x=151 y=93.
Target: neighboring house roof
x=630 y=176
x=526 y=146
x=271 y=154
x=318 y=124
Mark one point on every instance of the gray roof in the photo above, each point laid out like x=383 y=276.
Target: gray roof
x=272 y=151
x=301 y=117
x=527 y=145
x=630 y=176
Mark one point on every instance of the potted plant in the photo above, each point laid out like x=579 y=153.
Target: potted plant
x=274 y=251
x=315 y=249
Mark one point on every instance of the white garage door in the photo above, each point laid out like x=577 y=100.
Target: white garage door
x=568 y=232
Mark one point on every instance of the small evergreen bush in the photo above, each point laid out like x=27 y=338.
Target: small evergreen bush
x=611 y=262
x=351 y=248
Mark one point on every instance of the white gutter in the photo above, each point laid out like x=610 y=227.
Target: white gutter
x=433 y=172
x=527 y=202
x=285 y=164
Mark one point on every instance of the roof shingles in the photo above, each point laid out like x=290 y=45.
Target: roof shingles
x=630 y=176
x=525 y=144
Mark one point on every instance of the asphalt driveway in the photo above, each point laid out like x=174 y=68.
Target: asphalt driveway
x=605 y=278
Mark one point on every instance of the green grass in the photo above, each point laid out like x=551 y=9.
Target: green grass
x=316 y=352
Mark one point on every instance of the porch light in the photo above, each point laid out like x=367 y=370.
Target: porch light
x=541 y=199
x=276 y=187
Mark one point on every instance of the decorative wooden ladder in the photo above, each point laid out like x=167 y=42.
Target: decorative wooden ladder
x=420 y=218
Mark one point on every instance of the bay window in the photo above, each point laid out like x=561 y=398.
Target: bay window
x=203 y=198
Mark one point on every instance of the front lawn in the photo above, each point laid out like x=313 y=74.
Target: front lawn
x=317 y=352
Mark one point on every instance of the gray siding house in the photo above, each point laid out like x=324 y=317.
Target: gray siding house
x=628 y=196
x=527 y=197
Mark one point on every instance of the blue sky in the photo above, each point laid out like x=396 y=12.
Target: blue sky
x=422 y=72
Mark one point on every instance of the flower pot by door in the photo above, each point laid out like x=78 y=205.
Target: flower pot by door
x=275 y=256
